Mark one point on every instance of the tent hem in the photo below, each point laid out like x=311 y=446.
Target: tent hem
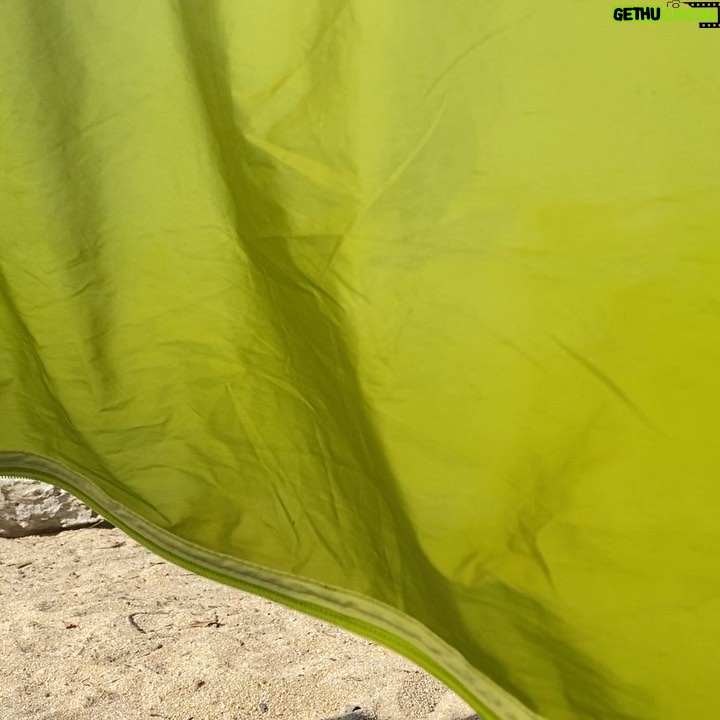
x=359 y=614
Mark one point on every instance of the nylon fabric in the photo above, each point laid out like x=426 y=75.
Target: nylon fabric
x=403 y=314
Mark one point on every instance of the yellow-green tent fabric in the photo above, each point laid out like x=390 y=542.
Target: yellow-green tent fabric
x=405 y=314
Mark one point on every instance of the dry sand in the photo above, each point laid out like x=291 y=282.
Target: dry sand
x=93 y=626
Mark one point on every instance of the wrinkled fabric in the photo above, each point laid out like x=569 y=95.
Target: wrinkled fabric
x=403 y=314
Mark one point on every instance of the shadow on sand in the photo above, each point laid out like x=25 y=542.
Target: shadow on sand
x=362 y=715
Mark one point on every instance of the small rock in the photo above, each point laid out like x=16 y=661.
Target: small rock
x=263 y=707
x=28 y=507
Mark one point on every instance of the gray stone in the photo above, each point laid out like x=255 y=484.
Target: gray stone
x=28 y=507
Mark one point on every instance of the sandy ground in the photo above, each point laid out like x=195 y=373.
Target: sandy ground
x=93 y=626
